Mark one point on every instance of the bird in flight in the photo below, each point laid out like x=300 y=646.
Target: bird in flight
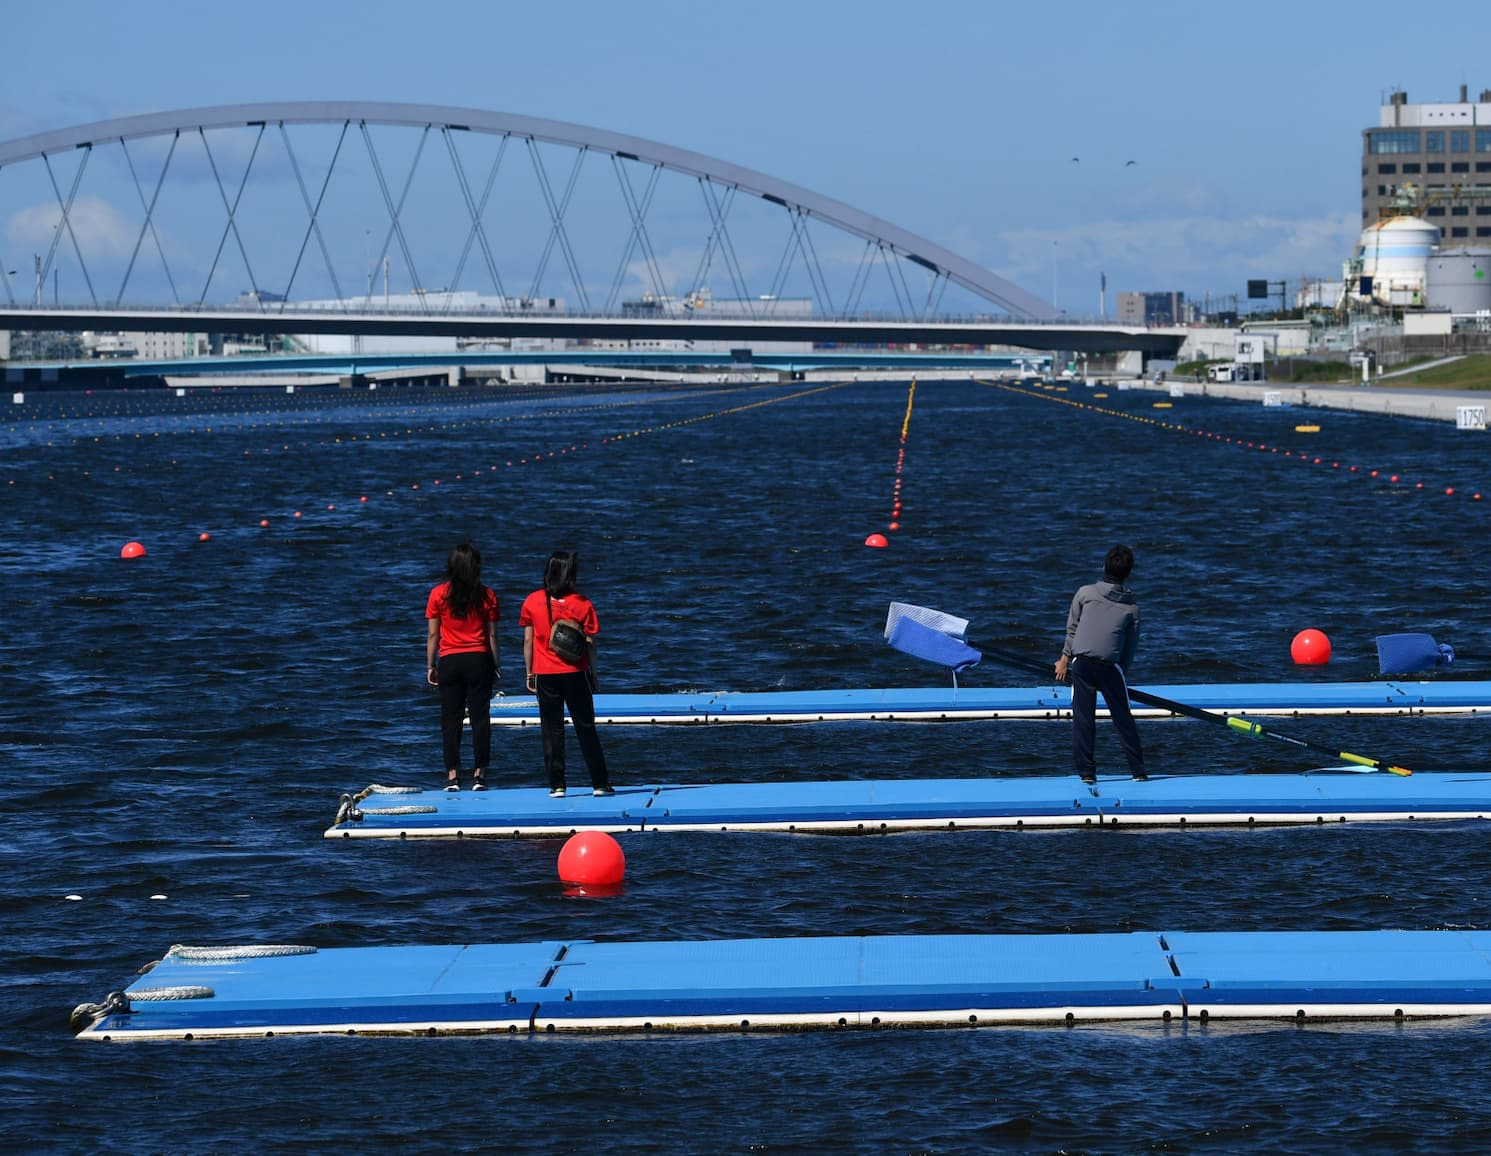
x=1130 y=163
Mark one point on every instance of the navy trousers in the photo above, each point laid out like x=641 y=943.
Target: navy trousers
x=1090 y=678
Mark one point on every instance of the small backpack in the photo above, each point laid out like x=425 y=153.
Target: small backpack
x=566 y=638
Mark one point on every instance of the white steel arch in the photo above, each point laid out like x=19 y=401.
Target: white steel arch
x=796 y=200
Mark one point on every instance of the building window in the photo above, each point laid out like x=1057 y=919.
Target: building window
x=1434 y=140
x=1410 y=167
x=1483 y=210
x=1402 y=141
x=1435 y=211
x=1460 y=140
x=1460 y=211
x=1483 y=140
x=1436 y=166
x=1483 y=231
x=1459 y=231
x=1387 y=170
x=1459 y=166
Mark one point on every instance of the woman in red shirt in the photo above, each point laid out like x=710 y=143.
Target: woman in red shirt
x=557 y=681
x=464 y=660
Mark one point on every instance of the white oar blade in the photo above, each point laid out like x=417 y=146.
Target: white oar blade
x=932 y=619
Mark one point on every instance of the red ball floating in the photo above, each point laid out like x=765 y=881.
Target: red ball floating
x=1310 y=648
x=132 y=550
x=877 y=541
x=592 y=857
x=204 y=536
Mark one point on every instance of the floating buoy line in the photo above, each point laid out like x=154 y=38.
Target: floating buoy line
x=532 y=457
x=1397 y=480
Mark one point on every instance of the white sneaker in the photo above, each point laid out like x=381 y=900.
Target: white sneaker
x=556 y=792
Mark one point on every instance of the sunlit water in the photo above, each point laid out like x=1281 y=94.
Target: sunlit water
x=181 y=726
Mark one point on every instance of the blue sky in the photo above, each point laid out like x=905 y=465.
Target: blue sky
x=956 y=119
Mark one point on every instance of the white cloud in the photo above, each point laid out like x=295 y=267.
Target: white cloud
x=100 y=229
x=1184 y=251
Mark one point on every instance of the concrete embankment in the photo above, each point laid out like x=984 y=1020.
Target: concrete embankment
x=1429 y=404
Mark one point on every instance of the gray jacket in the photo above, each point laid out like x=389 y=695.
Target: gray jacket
x=1103 y=623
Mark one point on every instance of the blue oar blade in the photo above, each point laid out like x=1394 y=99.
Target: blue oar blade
x=911 y=637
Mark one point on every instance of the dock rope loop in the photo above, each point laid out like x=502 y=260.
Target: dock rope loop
x=185 y=954
x=181 y=991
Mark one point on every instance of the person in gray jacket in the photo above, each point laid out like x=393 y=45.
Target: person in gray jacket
x=1102 y=634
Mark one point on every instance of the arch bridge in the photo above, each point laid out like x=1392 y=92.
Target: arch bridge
x=382 y=217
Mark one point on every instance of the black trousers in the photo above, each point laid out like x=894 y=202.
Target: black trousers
x=1089 y=678
x=466 y=689
x=555 y=693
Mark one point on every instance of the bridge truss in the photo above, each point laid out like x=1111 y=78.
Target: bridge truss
x=445 y=210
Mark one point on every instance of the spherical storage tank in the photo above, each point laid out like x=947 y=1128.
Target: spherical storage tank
x=1459 y=280
x=1395 y=254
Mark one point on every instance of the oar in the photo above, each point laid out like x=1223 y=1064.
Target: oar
x=904 y=633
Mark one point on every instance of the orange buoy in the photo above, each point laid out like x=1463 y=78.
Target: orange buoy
x=1310 y=648
x=877 y=541
x=591 y=857
x=204 y=536
x=132 y=550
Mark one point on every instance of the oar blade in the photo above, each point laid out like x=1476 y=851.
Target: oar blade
x=926 y=616
x=911 y=637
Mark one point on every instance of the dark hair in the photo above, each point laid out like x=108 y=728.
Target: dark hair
x=560 y=572
x=463 y=572
x=1119 y=564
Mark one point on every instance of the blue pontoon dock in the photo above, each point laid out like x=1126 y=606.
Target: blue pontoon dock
x=873 y=806
x=796 y=984
x=1053 y=701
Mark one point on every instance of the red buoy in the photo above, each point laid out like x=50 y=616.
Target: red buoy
x=1310 y=648
x=132 y=550
x=592 y=857
x=877 y=541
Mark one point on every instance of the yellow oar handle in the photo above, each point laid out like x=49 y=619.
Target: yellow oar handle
x=1251 y=729
x=1365 y=762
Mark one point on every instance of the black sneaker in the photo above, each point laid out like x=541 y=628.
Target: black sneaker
x=556 y=792
x=1141 y=778
x=603 y=792
x=1089 y=778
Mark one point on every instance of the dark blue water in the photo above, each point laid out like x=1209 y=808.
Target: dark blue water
x=175 y=731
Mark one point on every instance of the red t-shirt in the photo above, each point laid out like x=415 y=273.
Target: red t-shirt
x=462 y=635
x=535 y=613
